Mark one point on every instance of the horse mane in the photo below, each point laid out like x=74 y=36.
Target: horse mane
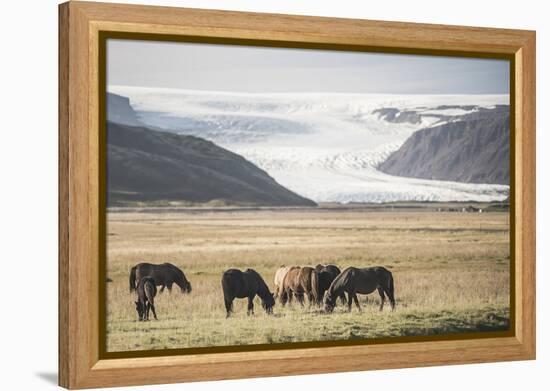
x=175 y=269
x=263 y=290
x=339 y=284
x=171 y=266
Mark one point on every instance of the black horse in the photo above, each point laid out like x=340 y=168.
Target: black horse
x=146 y=291
x=363 y=281
x=327 y=274
x=247 y=284
x=164 y=275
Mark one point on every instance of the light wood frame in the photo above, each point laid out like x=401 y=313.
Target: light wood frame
x=80 y=24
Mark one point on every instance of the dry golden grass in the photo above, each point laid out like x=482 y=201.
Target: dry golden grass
x=451 y=273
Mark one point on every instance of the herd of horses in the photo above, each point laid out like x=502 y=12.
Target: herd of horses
x=322 y=283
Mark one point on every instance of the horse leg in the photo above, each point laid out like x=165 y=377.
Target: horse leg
x=300 y=298
x=382 y=298
x=391 y=298
x=169 y=286
x=283 y=297
x=250 y=305
x=228 y=306
x=310 y=298
x=343 y=298
x=162 y=288
x=350 y=299
x=320 y=299
x=356 y=300
x=154 y=312
x=147 y=306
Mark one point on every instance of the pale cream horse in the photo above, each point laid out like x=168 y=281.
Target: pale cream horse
x=278 y=280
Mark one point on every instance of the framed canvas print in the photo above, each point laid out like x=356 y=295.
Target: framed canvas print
x=247 y=195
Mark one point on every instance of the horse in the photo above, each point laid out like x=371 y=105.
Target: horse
x=164 y=275
x=301 y=281
x=363 y=281
x=247 y=284
x=278 y=281
x=327 y=274
x=146 y=291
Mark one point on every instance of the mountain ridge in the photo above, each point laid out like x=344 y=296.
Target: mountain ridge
x=472 y=149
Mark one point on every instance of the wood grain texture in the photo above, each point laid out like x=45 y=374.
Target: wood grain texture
x=63 y=200
x=80 y=24
x=527 y=188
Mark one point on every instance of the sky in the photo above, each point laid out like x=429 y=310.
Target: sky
x=259 y=70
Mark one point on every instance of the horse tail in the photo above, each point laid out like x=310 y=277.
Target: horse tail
x=227 y=294
x=150 y=291
x=132 y=279
x=315 y=286
x=391 y=290
x=226 y=285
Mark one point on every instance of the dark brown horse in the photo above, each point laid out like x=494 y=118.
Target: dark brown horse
x=164 y=275
x=327 y=274
x=300 y=282
x=146 y=291
x=247 y=284
x=363 y=281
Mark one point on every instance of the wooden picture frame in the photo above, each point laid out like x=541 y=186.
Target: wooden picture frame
x=80 y=162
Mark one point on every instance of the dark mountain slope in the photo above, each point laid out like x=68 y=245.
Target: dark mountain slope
x=120 y=111
x=474 y=149
x=146 y=165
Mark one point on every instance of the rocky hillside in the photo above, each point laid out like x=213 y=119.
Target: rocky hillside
x=473 y=149
x=120 y=111
x=152 y=166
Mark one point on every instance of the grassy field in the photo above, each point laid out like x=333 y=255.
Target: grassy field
x=451 y=273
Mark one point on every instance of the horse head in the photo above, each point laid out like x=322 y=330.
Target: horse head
x=140 y=310
x=268 y=302
x=330 y=303
x=186 y=288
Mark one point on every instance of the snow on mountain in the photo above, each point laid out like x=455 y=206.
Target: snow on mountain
x=324 y=146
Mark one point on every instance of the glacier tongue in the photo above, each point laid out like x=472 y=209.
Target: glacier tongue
x=323 y=146
x=351 y=176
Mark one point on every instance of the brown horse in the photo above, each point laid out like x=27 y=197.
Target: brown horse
x=247 y=284
x=146 y=291
x=362 y=281
x=327 y=274
x=164 y=275
x=301 y=281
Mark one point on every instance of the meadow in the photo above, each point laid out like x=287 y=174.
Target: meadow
x=451 y=272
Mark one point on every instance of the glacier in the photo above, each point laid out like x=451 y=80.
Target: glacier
x=324 y=146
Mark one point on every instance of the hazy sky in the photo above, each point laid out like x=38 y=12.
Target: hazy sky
x=257 y=69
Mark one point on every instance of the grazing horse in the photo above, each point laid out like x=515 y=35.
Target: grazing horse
x=301 y=281
x=146 y=291
x=363 y=281
x=247 y=284
x=164 y=275
x=278 y=281
x=327 y=274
